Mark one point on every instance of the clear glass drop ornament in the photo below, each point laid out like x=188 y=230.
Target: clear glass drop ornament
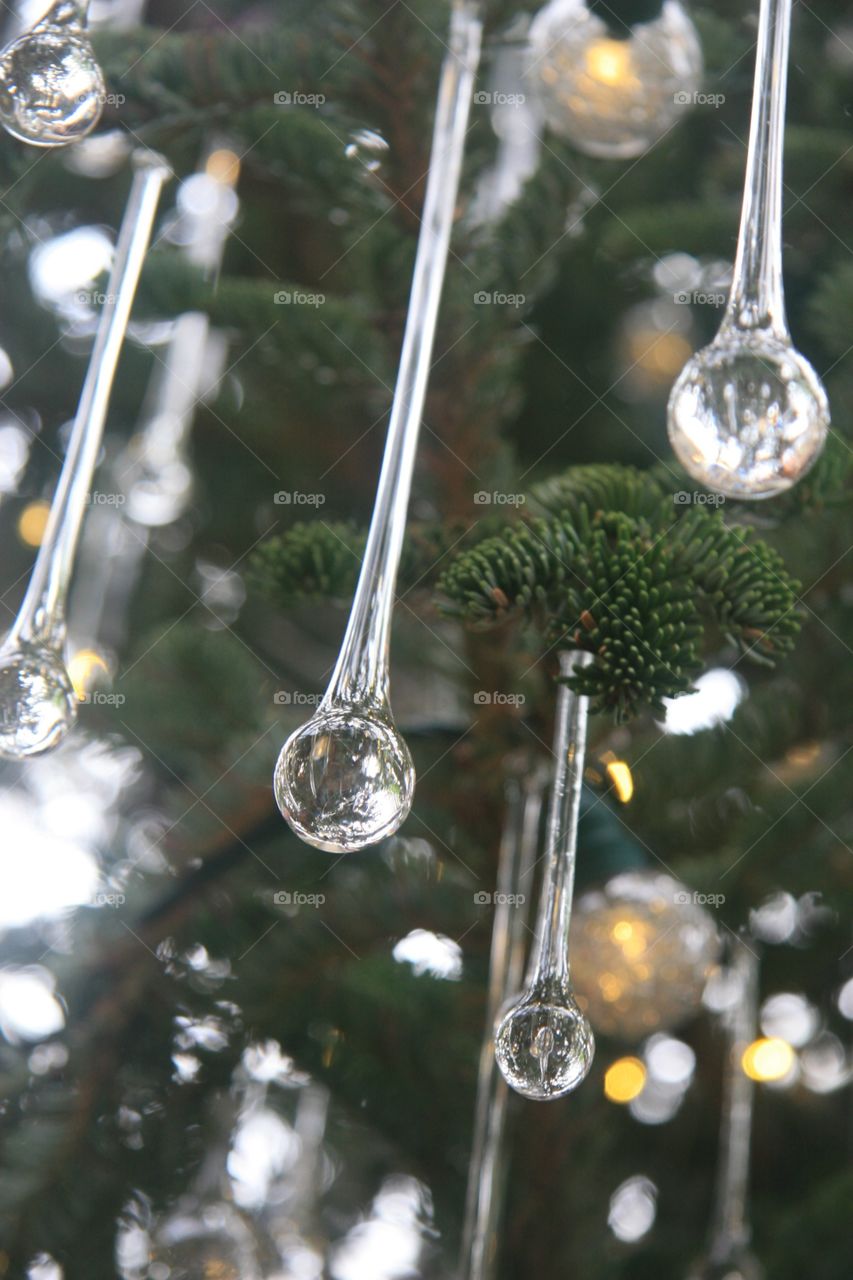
x=612 y=89
x=37 y=701
x=52 y=90
x=748 y=415
x=345 y=779
x=544 y=1044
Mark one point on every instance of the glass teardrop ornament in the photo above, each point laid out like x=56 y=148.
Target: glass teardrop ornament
x=345 y=779
x=544 y=1045
x=52 y=90
x=38 y=705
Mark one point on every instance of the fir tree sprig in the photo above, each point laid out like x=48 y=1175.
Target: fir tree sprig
x=621 y=570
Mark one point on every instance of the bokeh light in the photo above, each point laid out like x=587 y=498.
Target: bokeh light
x=624 y=1080
x=767 y=1059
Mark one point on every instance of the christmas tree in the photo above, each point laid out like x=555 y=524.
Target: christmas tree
x=225 y=1053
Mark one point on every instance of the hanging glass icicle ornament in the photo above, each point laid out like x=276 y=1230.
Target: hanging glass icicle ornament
x=613 y=88
x=486 y=1166
x=37 y=701
x=345 y=779
x=748 y=415
x=544 y=1045
x=729 y=1257
x=52 y=90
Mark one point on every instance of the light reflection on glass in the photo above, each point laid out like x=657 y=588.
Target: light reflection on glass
x=387 y=1245
x=715 y=700
x=633 y=1208
x=29 y=1010
x=430 y=953
x=791 y=1017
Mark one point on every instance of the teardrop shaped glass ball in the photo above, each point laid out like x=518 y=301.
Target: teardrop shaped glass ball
x=345 y=780
x=748 y=415
x=52 y=90
x=544 y=1046
x=37 y=702
x=612 y=91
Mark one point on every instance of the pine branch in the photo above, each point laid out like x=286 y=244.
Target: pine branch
x=637 y=588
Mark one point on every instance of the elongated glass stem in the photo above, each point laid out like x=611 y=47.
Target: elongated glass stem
x=486 y=1168
x=361 y=674
x=549 y=959
x=757 y=299
x=730 y=1230
x=41 y=619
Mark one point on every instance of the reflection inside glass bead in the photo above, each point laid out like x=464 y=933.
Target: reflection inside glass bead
x=51 y=87
x=612 y=93
x=345 y=780
x=37 y=702
x=748 y=416
x=544 y=1046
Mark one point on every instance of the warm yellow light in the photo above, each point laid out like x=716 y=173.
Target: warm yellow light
x=631 y=938
x=624 y=1080
x=768 y=1059
x=32 y=523
x=224 y=166
x=87 y=669
x=611 y=987
x=609 y=61
x=661 y=355
x=619 y=773
x=803 y=755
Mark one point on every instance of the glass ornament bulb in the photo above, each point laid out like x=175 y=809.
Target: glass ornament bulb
x=748 y=415
x=612 y=92
x=641 y=952
x=37 y=701
x=52 y=90
x=345 y=779
x=544 y=1045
